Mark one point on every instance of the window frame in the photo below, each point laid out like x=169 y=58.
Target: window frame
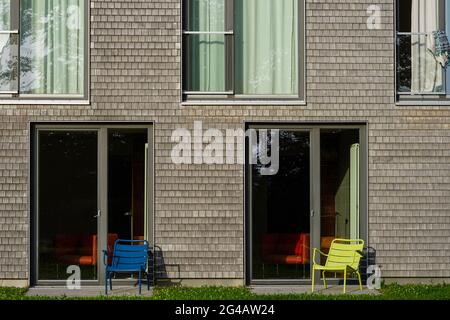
x=229 y=96
x=315 y=129
x=26 y=98
x=101 y=127
x=412 y=98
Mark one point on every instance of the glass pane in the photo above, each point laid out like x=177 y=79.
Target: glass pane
x=339 y=183
x=52 y=47
x=404 y=63
x=420 y=14
x=67 y=200
x=266 y=47
x=126 y=186
x=206 y=15
x=404 y=15
x=418 y=71
x=5 y=15
x=280 y=207
x=8 y=62
x=205 y=63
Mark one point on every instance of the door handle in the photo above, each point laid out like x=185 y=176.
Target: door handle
x=98 y=214
x=312 y=213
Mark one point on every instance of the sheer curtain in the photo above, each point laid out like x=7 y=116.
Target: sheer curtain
x=266 y=41
x=426 y=72
x=206 y=52
x=4 y=14
x=8 y=51
x=52 y=47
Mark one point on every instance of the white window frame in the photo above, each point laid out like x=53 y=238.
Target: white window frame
x=228 y=97
x=13 y=97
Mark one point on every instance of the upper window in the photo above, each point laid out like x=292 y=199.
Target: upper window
x=422 y=50
x=242 y=49
x=42 y=49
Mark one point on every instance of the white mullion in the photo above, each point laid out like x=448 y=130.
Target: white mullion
x=208 y=32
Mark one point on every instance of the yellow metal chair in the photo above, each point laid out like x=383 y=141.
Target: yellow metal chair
x=344 y=256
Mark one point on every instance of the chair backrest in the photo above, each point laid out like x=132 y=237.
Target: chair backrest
x=305 y=247
x=285 y=243
x=130 y=255
x=345 y=252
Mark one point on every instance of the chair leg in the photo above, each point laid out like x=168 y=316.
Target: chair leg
x=110 y=281
x=359 y=278
x=263 y=270
x=345 y=280
x=148 y=280
x=106 y=283
x=312 y=283
x=324 y=280
x=139 y=282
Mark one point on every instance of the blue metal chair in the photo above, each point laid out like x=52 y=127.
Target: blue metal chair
x=129 y=256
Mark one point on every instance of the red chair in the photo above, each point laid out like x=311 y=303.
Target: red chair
x=291 y=249
x=80 y=250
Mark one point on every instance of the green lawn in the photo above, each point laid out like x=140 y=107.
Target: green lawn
x=388 y=292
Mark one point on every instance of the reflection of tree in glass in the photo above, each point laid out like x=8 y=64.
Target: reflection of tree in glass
x=52 y=48
x=288 y=147
x=71 y=145
x=5 y=15
x=284 y=198
x=8 y=62
x=293 y=157
x=404 y=63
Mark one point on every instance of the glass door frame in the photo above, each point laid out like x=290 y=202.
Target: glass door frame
x=102 y=193
x=315 y=195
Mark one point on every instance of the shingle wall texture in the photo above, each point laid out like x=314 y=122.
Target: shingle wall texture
x=135 y=53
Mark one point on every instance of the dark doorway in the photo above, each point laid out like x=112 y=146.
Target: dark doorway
x=281 y=211
x=126 y=186
x=67 y=203
x=126 y=183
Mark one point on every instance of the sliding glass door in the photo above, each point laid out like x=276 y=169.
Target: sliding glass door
x=67 y=202
x=281 y=209
x=339 y=186
x=316 y=195
x=127 y=212
x=92 y=186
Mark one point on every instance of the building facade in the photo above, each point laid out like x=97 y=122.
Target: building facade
x=81 y=158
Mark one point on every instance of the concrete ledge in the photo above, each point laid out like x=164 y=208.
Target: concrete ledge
x=411 y=280
x=89 y=291
x=201 y=282
x=18 y=283
x=306 y=289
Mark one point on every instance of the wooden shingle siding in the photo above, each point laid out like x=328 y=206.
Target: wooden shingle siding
x=199 y=217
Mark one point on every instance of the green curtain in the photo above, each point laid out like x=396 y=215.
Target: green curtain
x=266 y=46
x=206 y=53
x=5 y=14
x=52 y=46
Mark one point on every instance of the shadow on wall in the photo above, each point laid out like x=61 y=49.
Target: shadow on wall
x=369 y=259
x=160 y=267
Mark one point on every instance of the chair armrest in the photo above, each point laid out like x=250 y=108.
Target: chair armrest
x=105 y=257
x=355 y=256
x=314 y=255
